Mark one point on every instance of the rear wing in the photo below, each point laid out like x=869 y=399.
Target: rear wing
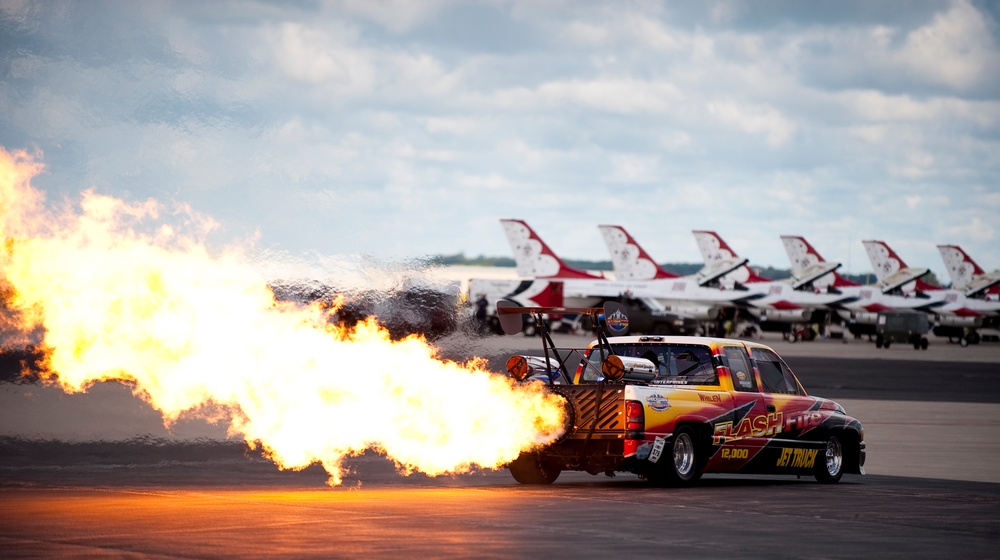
x=611 y=318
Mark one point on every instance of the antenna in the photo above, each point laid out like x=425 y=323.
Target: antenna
x=849 y=269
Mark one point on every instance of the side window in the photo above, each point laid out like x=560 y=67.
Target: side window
x=739 y=368
x=774 y=374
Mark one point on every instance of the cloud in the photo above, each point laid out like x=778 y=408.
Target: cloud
x=956 y=49
x=396 y=15
x=764 y=121
x=949 y=50
x=320 y=56
x=326 y=125
x=977 y=229
x=627 y=96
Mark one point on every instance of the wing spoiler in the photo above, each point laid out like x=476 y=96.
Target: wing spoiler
x=611 y=317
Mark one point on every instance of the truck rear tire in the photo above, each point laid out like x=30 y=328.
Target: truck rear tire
x=681 y=462
x=529 y=468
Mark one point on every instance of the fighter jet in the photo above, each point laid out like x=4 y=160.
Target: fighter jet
x=957 y=315
x=685 y=296
x=785 y=302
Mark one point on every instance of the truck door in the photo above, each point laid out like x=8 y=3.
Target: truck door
x=799 y=413
x=740 y=437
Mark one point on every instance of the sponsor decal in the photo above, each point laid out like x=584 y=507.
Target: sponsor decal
x=758 y=426
x=669 y=381
x=743 y=380
x=797 y=458
x=710 y=398
x=803 y=421
x=658 y=402
x=735 y=453
x=617 y=322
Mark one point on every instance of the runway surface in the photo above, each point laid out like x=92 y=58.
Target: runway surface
x=933 y=489
x=491 y=517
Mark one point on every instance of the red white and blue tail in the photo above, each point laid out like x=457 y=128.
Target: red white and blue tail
x=715 y=250
x=630 y=260
x=534 y=259
x=809 y=267
x=966 y=274
x=960 y=265
x=891 y=271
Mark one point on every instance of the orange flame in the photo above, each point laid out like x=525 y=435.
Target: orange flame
x=123 y=296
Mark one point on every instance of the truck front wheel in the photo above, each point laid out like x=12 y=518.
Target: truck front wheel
x=830 y=463
x=529 y=468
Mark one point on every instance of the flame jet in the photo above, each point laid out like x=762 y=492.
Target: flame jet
x=123 y=295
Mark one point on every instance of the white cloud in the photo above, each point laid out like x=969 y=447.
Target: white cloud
x=976 y=229
x=872 y=134
x=491 y=182
x=396 y=15
x=877 y=106
x=406 y=150
x=626 y=28
x=283 y=117
x=634 y=169
x=458 y=126
x=956 y=49
x=916 y=165
x=628 y=96
x=322 y=57
x=758 y=120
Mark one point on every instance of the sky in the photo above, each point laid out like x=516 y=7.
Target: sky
x=402 y=129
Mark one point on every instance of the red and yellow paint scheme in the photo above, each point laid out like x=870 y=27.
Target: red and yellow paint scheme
x=707 y=405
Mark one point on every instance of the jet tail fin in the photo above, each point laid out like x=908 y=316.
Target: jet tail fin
x=891 y=271
x=717 y=255
x=533 y=258
x=808 y=267
x=965 y=273
x=630 y=260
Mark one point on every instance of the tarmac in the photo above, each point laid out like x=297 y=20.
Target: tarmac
x=939 y=349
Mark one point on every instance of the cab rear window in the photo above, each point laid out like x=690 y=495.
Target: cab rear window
x=676 y=364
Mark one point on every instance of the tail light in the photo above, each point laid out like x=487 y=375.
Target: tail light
x=635 y=417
